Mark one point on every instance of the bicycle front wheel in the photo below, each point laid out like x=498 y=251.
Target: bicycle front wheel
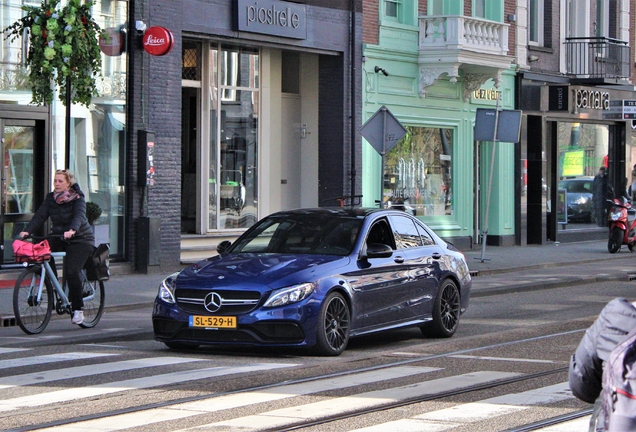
x=93 y=293
x=32 y=307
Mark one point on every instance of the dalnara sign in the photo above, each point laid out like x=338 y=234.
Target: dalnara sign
x=271 y=17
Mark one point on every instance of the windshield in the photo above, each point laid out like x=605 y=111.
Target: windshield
x=324 y=234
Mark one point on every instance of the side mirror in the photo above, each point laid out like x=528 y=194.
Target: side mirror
x=378 y=250
x=223 y=246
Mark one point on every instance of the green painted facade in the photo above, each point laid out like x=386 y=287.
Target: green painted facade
x=444 y=105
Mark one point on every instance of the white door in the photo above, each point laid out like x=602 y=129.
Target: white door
x=291 y=176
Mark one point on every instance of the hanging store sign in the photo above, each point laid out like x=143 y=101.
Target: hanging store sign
x=558 y=98
x=111 y=42
x=158 y=41
x=621 y=110
x=271 y=17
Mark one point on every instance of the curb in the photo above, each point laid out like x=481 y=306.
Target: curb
x=525 y=287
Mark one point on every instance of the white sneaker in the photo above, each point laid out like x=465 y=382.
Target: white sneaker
x=78 y=317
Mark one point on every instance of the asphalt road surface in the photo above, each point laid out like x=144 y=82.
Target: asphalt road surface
x=505 y=368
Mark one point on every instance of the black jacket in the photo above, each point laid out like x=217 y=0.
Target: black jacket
x=616 y=319
x=66 y=216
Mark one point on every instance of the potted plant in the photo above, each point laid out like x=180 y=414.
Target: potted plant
x=93 y=212
x=63 y=48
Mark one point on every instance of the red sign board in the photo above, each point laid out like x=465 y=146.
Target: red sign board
x=158 y=41
x=111 y=42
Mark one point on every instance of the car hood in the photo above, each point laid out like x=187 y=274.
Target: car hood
x=273 y=270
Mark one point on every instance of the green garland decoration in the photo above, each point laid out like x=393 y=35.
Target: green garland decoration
x=63 y=44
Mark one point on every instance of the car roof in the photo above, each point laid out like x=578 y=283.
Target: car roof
x=341 y=211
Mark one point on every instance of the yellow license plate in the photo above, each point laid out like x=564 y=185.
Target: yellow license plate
x=213 y=321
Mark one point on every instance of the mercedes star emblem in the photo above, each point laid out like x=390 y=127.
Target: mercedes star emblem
x=212 y=302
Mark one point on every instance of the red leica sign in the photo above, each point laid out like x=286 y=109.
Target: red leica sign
x=158 y=41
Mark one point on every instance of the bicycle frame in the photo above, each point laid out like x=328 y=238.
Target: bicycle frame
x=38 y=292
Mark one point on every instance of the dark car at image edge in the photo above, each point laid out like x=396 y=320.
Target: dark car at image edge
x=316 y=278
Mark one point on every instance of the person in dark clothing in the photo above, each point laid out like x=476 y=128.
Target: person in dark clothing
x=66 y=207
x=611 y=327
x=599 y=195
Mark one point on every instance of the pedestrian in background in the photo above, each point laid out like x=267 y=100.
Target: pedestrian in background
x=599 y=191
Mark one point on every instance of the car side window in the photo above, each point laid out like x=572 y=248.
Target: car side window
x=427 y=240
x=405 y=232
x=380 y=234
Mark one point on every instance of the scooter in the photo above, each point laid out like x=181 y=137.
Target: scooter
x=622 y=230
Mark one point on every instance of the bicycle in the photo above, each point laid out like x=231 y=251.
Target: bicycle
x=37 y=291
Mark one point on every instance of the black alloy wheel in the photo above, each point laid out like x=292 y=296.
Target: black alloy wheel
x=446 y=311
x=333 y=326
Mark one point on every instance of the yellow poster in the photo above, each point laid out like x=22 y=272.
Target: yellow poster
x=573 y=163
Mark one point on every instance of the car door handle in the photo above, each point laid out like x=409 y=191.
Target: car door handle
x=399 y=259
x=436 y=255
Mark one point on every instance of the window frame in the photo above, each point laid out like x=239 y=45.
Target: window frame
x=534 y=9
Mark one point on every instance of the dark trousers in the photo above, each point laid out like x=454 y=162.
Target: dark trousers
x=601 y=216
x=76 y=256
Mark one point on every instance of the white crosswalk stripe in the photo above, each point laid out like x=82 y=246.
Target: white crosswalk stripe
x=88 y=370
x=213 y=404
x=50 y=358
x=131 y=384
x=287 y=416
x=464 y=414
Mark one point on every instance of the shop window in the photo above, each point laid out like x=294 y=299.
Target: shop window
x=233 y=152
x=290 y=76
x=191 y=61
x=418 y=172
x=582 y=151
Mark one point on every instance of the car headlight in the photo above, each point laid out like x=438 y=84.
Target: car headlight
x=289 y=295
x=166 y=289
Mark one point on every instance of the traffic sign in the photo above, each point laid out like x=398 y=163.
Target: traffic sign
x=382 y=130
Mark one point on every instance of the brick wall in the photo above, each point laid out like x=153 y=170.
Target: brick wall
x=510 y=8
x=548 y=54
x=371 y=22
x=156 y=106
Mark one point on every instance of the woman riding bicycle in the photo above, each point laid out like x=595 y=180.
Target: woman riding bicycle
x=66 y=207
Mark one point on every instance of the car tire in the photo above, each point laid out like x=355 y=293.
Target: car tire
x=333 y=326
x=446 y=312
x=615 y=240
x=179 y=346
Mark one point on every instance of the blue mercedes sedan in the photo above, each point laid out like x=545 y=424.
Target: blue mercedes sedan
x=316 y=278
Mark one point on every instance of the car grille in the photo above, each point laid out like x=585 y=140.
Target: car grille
x=281 y=333
x=229 y=302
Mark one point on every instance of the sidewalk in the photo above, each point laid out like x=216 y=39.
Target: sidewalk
x=517 y=268
x=504 y=269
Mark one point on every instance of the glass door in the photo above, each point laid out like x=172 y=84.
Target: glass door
x=17 y=182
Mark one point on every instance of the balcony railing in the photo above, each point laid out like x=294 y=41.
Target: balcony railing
x=463 y=33
x=597 y=58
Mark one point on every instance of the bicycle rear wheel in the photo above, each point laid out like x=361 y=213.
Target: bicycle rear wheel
x=93 y=293
x=32 y=307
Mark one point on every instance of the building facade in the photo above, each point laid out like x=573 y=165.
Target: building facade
x=433 y=65
x=564 y=67
x=574 y=80
x=226 y=111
